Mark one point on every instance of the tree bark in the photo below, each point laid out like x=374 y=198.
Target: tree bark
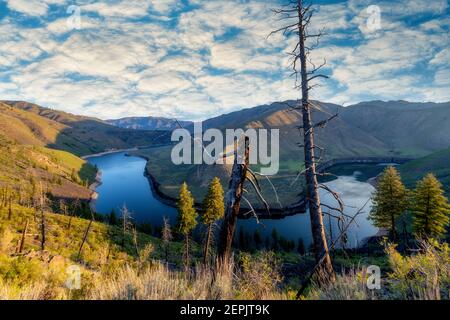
x=207 y=243
x=84 y=238
x=22 y=240
x=43 y=238
x=186 y=253
x=312 y=186
x=233 y=203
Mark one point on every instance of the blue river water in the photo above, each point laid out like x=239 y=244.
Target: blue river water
x=124 y=184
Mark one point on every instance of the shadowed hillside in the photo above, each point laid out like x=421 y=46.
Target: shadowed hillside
x=437 y=163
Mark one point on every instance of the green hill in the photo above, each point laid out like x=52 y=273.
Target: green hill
x=28 y=123
x=62 y=174
x=437 y=163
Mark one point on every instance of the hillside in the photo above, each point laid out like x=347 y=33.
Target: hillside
x=407 y=129
x=62 y=175
x=148 y=123
x=437 y=163
x=28 y=123
x=364 y=130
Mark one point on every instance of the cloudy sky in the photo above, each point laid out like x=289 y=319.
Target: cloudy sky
x=193 y=59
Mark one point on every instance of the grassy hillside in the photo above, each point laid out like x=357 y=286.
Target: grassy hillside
x=437 y=163
x=407 y=129
x=62 y=174
x=28 y=123
x=112 y=271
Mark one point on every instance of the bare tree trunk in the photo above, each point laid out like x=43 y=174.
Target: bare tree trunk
x=86 y=233
x=312 y=186
x=70 y=222
x=186 y=253
x=233 y=202
x=43 y=238
x=22 y=240
x=207 y=244
x=10 y=207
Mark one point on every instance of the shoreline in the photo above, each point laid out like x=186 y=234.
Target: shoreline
x=104 y=153
x=93 y=187
x=298 y=207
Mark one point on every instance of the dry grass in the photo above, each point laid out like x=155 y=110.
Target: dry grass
x=424 y=275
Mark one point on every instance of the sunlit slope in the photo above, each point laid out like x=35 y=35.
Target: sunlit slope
x=28 y=123
x=63 y=175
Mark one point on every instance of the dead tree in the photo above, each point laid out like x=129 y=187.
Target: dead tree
x=233 y=201
x=166 y=237
x=126 y=224
x=10 y=200
x=86 y=234
x=42 y=211
x=299 y=18
x=22 y=239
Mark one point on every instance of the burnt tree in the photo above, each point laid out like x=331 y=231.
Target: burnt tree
x=233 y=199
x=299 y=18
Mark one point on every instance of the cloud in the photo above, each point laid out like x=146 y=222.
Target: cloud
x=29 y=7
x=164 y=58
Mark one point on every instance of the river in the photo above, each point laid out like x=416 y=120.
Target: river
x=124 y=183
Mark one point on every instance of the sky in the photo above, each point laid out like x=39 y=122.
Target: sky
x=194 y=59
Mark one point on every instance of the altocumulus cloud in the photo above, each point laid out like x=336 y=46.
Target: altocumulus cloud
x=193 y=59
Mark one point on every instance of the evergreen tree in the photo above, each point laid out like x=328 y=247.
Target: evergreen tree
x=431 y=208
x=213 y=210
x=113 y=218
x=275 y=239
x=257 y=239
x=301 y=247
x=187 y=217
x=390 y=201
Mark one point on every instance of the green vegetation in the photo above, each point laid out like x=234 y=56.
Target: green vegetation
x=390 y=201
x=431 y=209
x=213 y=210
x=62 y=174
x=437 y=163
x=187 y=218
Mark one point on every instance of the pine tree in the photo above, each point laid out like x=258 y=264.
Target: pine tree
x=301 y=247
x=213 y=210
x=390 y=201
x=431 y=208
x=187 y=217
x=113 y=218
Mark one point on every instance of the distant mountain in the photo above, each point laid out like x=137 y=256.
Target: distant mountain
x=149 y=123
x=28 y=123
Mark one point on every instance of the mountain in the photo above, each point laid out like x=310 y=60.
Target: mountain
x=437 y=163
x=370 y=129
x=149 y=123
x=28 y=123
x=406 y=128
